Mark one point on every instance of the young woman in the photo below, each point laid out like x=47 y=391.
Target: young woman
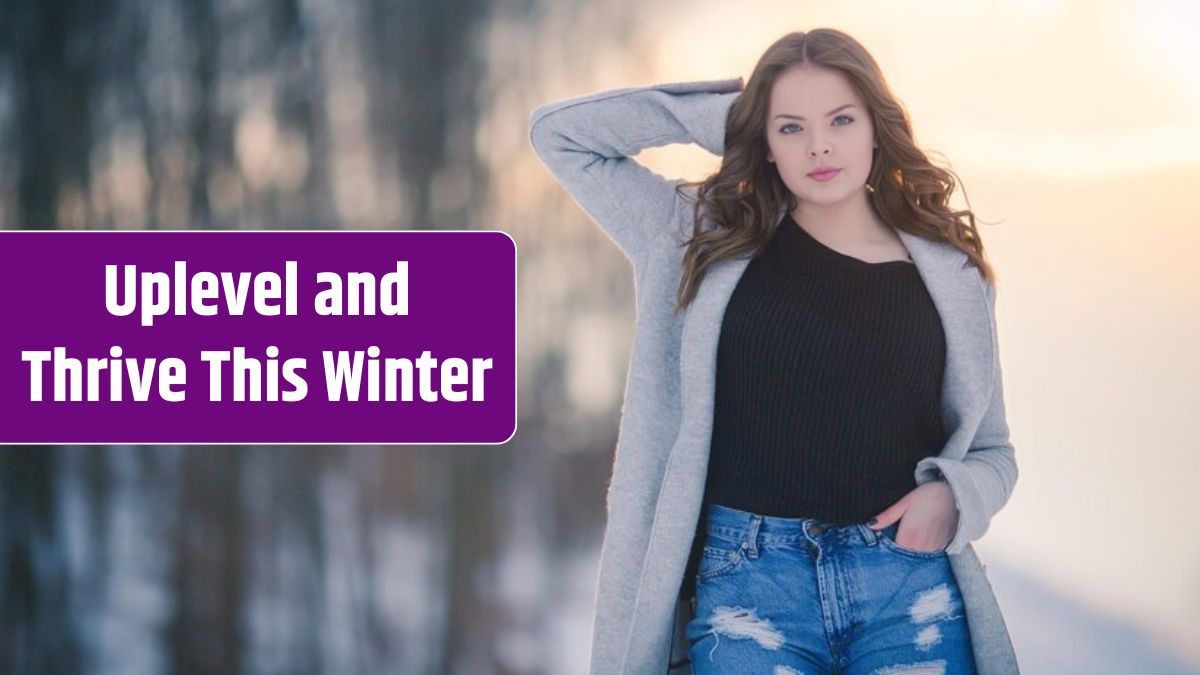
x=813 y=429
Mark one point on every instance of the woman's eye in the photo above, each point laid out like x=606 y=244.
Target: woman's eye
x=785 y=128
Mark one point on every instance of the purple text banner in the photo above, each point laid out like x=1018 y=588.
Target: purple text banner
x=258 y=337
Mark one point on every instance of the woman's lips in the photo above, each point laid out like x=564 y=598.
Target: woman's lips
x=824 y=175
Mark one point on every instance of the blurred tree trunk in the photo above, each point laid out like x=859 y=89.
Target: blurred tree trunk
x=50 y=47
x=206 y=631
x=36 y=630
x=200 y=19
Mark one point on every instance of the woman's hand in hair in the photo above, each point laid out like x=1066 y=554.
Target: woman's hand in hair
x=928 y=517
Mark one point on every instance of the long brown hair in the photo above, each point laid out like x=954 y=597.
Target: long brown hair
x=746 y=194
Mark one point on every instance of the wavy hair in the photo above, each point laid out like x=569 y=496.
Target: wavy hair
x=746 y=193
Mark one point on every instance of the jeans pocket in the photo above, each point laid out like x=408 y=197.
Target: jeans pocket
x=719 y=556
x=887 y=538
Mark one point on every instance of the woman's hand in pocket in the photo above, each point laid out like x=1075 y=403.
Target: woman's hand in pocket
x=928 y=517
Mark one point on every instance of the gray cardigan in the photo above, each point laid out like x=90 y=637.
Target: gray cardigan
x=661 y=459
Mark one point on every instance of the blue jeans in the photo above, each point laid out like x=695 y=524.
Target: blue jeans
x=794 y=595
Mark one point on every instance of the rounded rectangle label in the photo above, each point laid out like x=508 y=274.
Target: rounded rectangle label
x=258 y=337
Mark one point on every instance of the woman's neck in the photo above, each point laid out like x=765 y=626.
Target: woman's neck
x=850 y=222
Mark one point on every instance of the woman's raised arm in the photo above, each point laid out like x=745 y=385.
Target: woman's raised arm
x=587 y=142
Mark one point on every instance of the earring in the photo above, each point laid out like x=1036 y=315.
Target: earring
x=869 y=188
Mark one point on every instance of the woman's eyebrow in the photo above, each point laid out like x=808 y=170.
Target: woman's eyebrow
x=797 y=117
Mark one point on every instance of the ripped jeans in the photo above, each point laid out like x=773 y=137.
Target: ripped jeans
x=779 y=596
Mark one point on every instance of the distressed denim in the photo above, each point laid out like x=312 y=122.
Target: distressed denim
x=780 y=596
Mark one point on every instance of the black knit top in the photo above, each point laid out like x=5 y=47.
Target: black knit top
x=828 y=383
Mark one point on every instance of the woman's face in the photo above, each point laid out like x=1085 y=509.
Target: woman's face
x=817 y=119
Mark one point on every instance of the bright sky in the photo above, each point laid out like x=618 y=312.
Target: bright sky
x=1077 y=125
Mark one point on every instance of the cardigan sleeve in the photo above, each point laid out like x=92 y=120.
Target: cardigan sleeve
x=587 y=143
x=983 y=480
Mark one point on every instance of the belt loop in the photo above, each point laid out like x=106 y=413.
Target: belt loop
x=751 y=543
x=870 y=537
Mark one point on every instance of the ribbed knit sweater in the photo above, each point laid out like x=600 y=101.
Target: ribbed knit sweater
x=828 y=383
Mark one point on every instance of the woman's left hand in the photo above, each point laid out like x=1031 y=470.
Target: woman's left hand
x=929 y=517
